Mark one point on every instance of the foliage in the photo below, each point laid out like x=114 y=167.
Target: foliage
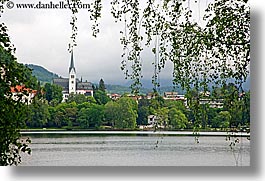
x=205 y=51
x=112 y=113
x=127 y=113
x=77 y=98
x=143 y=113
x=177 y=119
x=121 y=114
x=101 y=85
x=64 y=114
x=42 y=74
x=38 y=114
x=53 y=93
x=91 y=117
x=222 y=120
x=101 y=97
x=162 y=116
x=12 y=109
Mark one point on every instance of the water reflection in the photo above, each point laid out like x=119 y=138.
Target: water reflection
x=110 y=150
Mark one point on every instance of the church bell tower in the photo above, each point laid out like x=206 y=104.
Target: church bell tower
x=72 y=76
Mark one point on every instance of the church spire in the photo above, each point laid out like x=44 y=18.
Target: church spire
x=72 y=62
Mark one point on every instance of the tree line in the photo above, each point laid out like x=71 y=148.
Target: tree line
x=100 y=112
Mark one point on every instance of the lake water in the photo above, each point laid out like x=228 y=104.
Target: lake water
x=134 y=150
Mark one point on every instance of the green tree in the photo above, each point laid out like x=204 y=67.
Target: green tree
x=143 y=113
x=91 y=99
x=53 y=93
x=127 y=112
x=71 y=114
x=38 y=114
x=96 y=117
x=77 y=98
x=235 y=102
x=101 y=86
x=246 y=108
x=12 y=108
x=52 y=121
x=121 y=114
x=83 y=118
x=65 y=114
x=91 y=117
x=112 y=113
x=101 y=97
x=177 y=119
x=179 y=105
x=162 y=116
x=222 y=120
x=211 y=114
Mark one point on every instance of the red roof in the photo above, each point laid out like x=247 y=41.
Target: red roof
x=21 y=88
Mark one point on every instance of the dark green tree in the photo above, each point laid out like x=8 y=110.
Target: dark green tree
x=121 y=114
x=77 y=98
x=53 y=93
x=92 y=117
x=101 y=97
x=162 y=116
x=211 y=114
x=101 y=86
x=112 y=111
x=65 y=114
x=143 y=113
x=38 y=114
x=127 y=112
x=177 y=119
x=12 y=108
x=222 y=120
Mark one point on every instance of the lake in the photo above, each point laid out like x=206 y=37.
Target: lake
x=99 y=149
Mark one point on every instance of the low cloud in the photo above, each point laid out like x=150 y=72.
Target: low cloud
x=42 y=37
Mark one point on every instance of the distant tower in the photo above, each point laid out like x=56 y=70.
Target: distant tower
x=72 y=76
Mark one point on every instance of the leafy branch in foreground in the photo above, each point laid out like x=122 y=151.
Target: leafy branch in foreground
x=211 y=50
x=12 y=106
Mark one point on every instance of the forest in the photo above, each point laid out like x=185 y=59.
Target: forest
x=100 y=112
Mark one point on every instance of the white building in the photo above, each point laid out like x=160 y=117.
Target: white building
x=23 y=94
x=73 y=85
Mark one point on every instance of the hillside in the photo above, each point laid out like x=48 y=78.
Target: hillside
x=42 y=74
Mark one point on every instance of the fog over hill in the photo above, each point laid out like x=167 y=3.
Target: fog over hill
x=44 y=76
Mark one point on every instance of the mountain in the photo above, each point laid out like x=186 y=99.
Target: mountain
x=121 y=89
x=42 y=74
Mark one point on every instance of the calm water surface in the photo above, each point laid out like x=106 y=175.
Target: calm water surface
x=129 y=150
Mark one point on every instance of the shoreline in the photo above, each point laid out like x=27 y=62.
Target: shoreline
x=119 y=132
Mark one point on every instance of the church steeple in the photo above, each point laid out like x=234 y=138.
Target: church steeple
x=72 y=76
x=72 y=62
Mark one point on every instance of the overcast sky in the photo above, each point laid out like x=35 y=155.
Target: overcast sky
x=41 y=37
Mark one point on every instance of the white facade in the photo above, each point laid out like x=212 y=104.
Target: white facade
x=72 y=81
x=72 y=85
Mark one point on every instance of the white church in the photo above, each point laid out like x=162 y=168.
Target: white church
x=73 y=85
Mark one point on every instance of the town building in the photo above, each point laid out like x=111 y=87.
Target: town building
x=174 y=96
x=216 y=103
x=72 y=85
x=114 y=96
x=152 y=120
x=25 y=95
